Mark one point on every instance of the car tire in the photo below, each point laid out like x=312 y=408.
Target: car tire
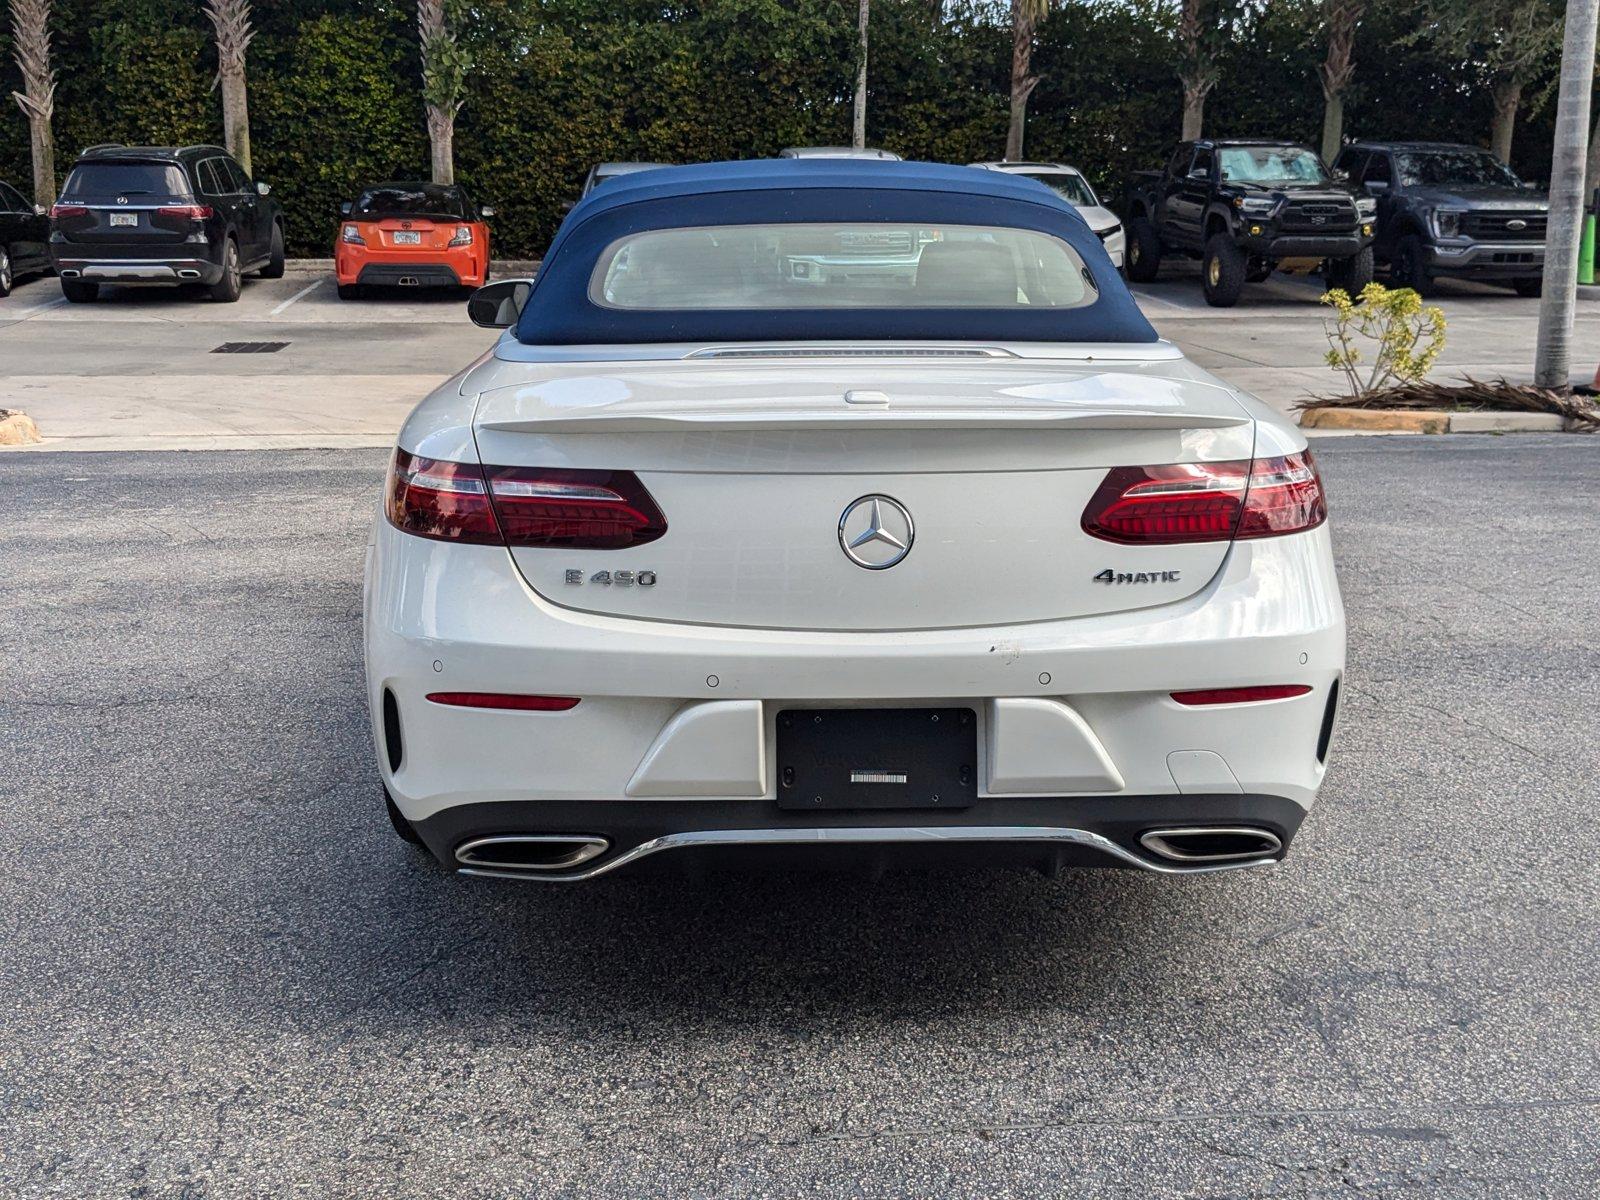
x=226 y=290
x=1141 y=257
x=6 y=278
x=350 y=291
x=403 y=828
x=274 y=267
x=1222 y=272
x=78 y=292
x=1530 y=285
x=1352 y=274
x=1410 y=266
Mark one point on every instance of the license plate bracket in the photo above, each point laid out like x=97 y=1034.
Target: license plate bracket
x=404 y=238
x=831 y=758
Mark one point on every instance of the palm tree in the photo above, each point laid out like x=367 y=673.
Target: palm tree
x=445 y=64
x=30 y=35
x=858 y=124
x=1025 y=18
x=231 y=20
x=1340 y=17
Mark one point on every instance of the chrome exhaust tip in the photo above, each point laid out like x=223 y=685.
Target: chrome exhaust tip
x=1211 y=844
x=528 y=853
x=408 y=281
x=188 y=274
x=68 y=272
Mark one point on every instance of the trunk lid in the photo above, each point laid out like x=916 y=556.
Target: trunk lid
x=982 y=467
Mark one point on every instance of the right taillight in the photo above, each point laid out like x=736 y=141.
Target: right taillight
x=1207 y=502
x=521 y=506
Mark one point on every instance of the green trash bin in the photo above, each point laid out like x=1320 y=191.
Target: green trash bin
x=1586 y=251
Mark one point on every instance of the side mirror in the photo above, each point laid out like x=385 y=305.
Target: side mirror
x=1199 y=173
x=40 y=210
x=1340 y=174
x=1376 y=187
x=263 y=189
x=344 y=209
x=498 y=305
x=486 y=211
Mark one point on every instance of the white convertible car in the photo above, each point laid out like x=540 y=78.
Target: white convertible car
x=945 y=559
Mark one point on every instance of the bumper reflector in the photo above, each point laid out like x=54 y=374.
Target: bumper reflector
x=1242 y=695
x=505 y=700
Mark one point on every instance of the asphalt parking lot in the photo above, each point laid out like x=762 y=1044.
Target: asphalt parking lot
x=226 y=978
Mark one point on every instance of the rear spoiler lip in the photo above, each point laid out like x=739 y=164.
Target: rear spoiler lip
x=885 y=418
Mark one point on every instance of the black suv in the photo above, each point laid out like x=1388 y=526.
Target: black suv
x=163 y=214
x=23 y=230
x=1445 y=209
x=1247 y=208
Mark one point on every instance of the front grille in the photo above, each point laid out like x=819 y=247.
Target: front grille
x=1505 y=227
x=1331 y=216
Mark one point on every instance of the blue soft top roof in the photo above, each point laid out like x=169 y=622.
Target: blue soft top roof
x=777 y=191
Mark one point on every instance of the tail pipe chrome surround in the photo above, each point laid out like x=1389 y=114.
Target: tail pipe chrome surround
x=564 y=856
x=188 y=273
x=408 y=281
x=1211 y=844
x=69 y=272
x=528 y=855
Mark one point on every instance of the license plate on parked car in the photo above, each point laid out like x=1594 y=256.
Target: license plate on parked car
x=408 y=239
x=124 y=218
x=877 y=758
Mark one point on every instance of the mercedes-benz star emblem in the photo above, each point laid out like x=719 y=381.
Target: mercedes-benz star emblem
x=122 y=199
x=875 y=532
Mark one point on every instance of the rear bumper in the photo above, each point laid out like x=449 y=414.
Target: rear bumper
x=1503 y=260
x=408 y=275
x=137 y=270
x=464 y=266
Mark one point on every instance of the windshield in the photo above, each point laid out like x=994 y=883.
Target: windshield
x=412 y=200
x=1067 y=184
x=837 y=265
x=1455 y=168
x=1271 y=164
x=126 y=179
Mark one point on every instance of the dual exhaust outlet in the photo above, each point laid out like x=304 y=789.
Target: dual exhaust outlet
x=1198 y=845
x=530 y=854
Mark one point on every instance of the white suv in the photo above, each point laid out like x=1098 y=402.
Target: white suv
x=1069 y=183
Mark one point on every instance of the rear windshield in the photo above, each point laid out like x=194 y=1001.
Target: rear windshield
x=838 y=265
x=126 y=179
x=411 y=200
x=1068 y=186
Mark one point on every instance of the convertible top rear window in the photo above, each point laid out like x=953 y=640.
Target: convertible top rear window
x=811 y=265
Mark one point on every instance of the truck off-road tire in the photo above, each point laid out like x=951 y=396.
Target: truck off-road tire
x=1410 y=266
x=1222 y=272
x=1531 y=285
x=1352 y=274
x=226 y=290
x=1142 y=258
x=274 y=267
x=402 y=827
x=78 y=292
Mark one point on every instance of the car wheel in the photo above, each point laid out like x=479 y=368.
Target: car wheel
x=1142 y=255
x=274 y=267
x=78 y=292
x=350 y=291
x=1410 y=267
x=1352 y=274
x=1222 y=272
x=226 y=290
x=6 y=279
x=1531 y=285
x=402 y=827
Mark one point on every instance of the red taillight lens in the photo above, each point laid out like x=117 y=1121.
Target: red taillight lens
x=521 y=506
x=1242 y=695
x=581 y=510
x=511 y=700
x=68 y=210
x=1207 y=502
x=444 y=500
x=195 y=212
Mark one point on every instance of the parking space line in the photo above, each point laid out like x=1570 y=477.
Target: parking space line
x=301 y=294
x=39 y=308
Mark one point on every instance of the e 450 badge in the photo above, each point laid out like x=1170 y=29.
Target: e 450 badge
x=644 y=579
x=1110 y=576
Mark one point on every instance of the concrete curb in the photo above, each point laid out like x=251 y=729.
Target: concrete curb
x=17 y=428
x=1377 y=420
x=1589 y=291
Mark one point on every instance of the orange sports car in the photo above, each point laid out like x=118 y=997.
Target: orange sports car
x=411 y=235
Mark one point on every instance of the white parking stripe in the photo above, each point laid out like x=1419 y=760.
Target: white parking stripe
x=301 y=294
x=39 y=308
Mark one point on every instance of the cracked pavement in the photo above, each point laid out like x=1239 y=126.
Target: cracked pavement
x=224 y=976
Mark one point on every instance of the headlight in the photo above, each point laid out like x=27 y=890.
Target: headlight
x=462 y=236
x=1256 y=206
x=351 y=236
x=1366 y=207
x=1447 y=222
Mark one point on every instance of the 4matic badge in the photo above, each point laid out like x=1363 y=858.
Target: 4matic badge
x=1110 y=576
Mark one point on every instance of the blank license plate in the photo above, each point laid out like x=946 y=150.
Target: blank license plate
x=877 y=758
x=408 y=239
x=124 y=218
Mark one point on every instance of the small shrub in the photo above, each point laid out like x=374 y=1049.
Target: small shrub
x=1406 y=337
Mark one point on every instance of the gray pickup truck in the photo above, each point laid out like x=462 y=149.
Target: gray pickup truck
x=1450 y=210
x=1246 y=208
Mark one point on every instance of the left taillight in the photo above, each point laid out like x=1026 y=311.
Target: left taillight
x=521 y=506
x=1207 y=502
x=68 y=210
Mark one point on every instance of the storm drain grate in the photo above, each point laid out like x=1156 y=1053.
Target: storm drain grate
x=249 y=347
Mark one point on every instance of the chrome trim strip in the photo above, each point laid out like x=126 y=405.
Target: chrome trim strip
x=1157 y=841
x=859 y=835
x=130 y=269
x=584 y=848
